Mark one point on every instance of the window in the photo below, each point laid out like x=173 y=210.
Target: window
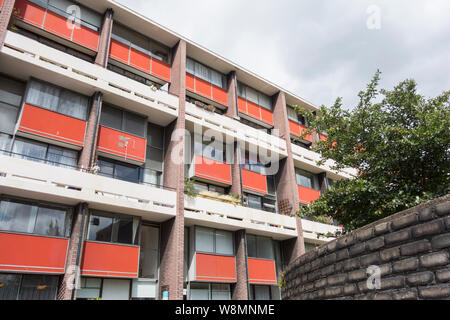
x=154 y=165
x=220 y=291
x=200 y=186
x=254 y=96
x=259 y=247
x=214 y=241
x=28 y=287
x=259 y=292
x=118 y=170
x=149 y=254
x=266 y=203
x=89 y=288
x=122 y=120
x=208 y=148
x=34 y=219
x=199 y=291
x=106 y=227
x=45 y=153
x=206 y=73
x=105 y=289
x=57 y=99
x=331 y=183
x=306 y=179
x=11 y=92
x=292 y=115
x=209 y=291
x=140 y=42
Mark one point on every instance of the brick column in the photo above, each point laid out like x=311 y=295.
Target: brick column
x=323 y=182
x=232 y=95
x=240 y=290
x=5 y=16
x=79 y=222
x=87 y=155
x=105 y=39
x=287 y=193
x=172 y=231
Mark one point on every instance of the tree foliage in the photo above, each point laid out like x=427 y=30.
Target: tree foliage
x=400 y=143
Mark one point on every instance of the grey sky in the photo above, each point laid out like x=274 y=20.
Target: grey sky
x=319 y=49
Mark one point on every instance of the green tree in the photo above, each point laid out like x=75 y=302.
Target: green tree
x=400 y=143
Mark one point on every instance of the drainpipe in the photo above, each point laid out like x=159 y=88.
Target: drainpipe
x=80 y=239
x=97 y=115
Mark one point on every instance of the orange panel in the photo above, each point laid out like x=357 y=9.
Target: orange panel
x=86 y=37
x=219 y=95
x=58 y=25
x=266 y=116
x=121 y=144
x=29 y=12
x=52 y=125
x=253 y=110
x=215 y=268
x=110 y=259
x=140 y=60
x=253 y=181
x=242 y=105
x=261 y=271
x=307 y=195
x=119 y=51
x=212 y=170
x=30 y=253
x=294 y=127
x=160 y=69
x=1 y=3
x=323 y=137
x=308 y=136
x=203 y=88
x=190 y=82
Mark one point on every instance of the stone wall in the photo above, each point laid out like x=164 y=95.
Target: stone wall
x=411 y=249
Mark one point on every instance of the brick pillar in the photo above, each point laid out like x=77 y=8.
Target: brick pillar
x=232 y=95
x=172 y=231
x=323 y=182
x=240 y=290
x=287 y=193
x=87 y=155
x=105 y=39
x=5 y=16
x=79 y=222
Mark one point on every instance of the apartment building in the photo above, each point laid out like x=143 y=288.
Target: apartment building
x=106 y=119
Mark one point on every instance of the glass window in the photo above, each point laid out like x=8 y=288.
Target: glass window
x=10 y=286
x=73 y=104
x=155 y=136
x=254 y=202
x=292 y=115
x=148 y=265
x=220 y=291
x=116 y=289
x=190 y=66
x=134 y=124
x=260 y=247
x=265 y=101
x=89 y=288
x=50 y=222
x=123 y=230
x=306 y=179
x=252 y=95
x=151 y=177
x=126 y=173
x=11 y=91
x=100 y=228
x=8 y=119
x=111 y=117
x=214 y=241
x=107 y=227
x=155 y=159
x=262 y=292
x=122 y=120
x=204 y=240
x=38 y=287
x=251 y=246
x=5 y=142
x=199 y=187
x=62 y=157
x=224 y=242
x=199 y=291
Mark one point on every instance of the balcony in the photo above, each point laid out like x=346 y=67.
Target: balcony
x=215 y=268
x=212 y=170
x=261 y=271
x=29 y=253
x=35 y=180
x=39 y=17
x=121 y=145
x=252 y=181
x=139 y=60
x=110 y=260
x=307 y=195
x=296 y=129
x=206 y=90
x=26 y=58
x=263 y=115
x=52 y=126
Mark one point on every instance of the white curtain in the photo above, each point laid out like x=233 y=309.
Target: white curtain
x=43 y=95
x=224 y=242
x=202 y=72
x=216 y=78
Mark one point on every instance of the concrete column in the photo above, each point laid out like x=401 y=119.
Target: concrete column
x=87 y=155
x=5 y=16
x=105 y=39
x=287 y=192
x=240 y=289
x=172 y=242
x=232 y=95
x=71 y=276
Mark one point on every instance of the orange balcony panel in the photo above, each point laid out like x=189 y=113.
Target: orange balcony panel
x=58 y=25
x=253 y=181
x=121 y=144
x=307 y=195
x=215 y=268
x=160 y=69
x=30 y=253
x=294 y=128
x=253 y=110
x=140 y=60
x=190 y=82
x=203 y=88
x=308 y=136
x=1 y=4
x=212 y=170
x=52 y=125
x=110 y=260
x=266 y=116
x=242 y=105
x=219 y=95
x=261 y=271
x=86 y=37
x=323 y=137
x=29 y=12
x=119 y=51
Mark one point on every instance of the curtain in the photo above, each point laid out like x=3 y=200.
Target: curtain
x=265 y=101
x=216 y=78
x=204 y=240
x=43 y=95
x=224 y=242
x=190 y=66
x=202 y=72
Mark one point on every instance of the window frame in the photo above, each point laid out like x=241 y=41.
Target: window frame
x=210 y=73
x=123 y=120
x=214 y=242
x=256 y=237
x=243 y=87
x=306 y=174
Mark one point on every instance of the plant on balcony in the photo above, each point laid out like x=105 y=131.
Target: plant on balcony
x=189 y=188
x=397 y=140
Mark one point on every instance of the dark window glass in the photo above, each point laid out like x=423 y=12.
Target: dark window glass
x=123 y=230
x=107 y=227
x=10 y=284
x=254 y=202
x=38 y=287
x=134 y=124
x=111 y=117
x=50 y=222
x=260 y=247
x=126 y=173
x=100 y=228
x=251 y=246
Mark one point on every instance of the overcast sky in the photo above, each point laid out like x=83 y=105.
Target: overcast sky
x=319 y=49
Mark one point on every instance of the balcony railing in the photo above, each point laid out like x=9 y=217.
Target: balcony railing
x=206 y=89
